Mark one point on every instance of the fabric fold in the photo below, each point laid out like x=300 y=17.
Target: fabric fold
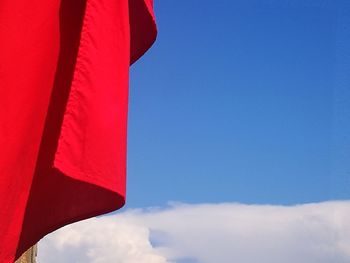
x=64 y=74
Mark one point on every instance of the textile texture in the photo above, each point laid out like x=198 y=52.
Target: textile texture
x=64 y=69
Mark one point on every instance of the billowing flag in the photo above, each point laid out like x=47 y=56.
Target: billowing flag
x=63 y=111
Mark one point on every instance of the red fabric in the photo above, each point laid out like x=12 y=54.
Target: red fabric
x=63 y=97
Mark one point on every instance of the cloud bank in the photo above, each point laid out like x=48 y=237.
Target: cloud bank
x=207 y=233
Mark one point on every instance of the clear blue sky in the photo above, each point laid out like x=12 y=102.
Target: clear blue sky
x=245 y=101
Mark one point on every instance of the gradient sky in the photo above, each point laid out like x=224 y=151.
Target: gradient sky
x=238 y=102
x=242 y=101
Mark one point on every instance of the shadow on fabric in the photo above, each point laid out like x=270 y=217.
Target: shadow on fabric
x=56 y=199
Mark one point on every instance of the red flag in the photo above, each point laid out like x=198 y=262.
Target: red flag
x=63 y=97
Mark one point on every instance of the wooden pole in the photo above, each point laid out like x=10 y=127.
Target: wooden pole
x=28 y=256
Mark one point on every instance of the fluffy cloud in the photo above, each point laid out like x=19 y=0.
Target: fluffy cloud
x=207 y=233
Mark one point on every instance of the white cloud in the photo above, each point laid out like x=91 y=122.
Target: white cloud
x=208 y=233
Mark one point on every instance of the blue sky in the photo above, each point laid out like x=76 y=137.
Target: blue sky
x=241 y=101
x=240 y=116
